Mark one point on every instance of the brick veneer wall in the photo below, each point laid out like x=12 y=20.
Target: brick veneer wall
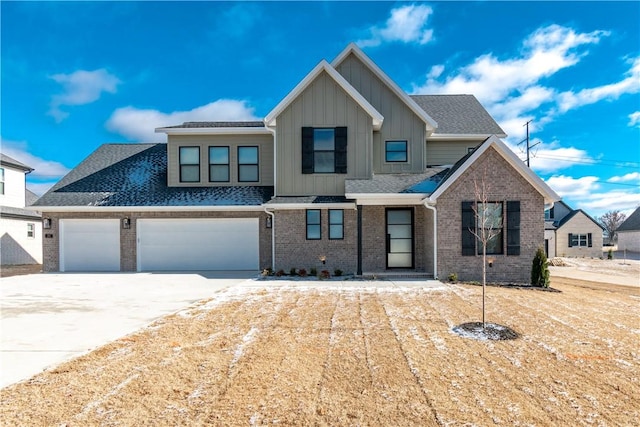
x=293 y=250
x=374 y=247
x=128 y=246
x=504 y=184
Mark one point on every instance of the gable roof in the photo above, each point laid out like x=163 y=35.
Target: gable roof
x=458 y=115
x=377 y=118
x=10 y=161
x=134 y=176
x=493 y=141
x=352 y=48
x=632 y=223
x=572 y=214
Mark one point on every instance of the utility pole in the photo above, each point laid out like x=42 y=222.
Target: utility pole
x=529 y=147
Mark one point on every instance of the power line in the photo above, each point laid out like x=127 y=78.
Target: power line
x=581 y=160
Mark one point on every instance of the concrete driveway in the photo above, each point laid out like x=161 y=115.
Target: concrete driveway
x=49 y=318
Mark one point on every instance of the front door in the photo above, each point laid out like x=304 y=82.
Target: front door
x=399 y=238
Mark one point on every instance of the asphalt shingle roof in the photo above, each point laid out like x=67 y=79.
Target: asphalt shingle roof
x=10 y=211
x=424 y=182
x=245 y=124
x=10 y=161
x=458 y=114
x=632 y=223
x=136 y=175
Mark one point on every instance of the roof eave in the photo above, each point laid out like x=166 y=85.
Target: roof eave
x=198 y=208
x=215 y=131
x=379 y=199
x=462 y=136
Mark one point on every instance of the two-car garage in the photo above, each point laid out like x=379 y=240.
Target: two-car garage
x=161 y=244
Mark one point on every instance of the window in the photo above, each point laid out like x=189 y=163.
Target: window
x=324 y=150
x=218 y=164
x=548 y=214
x=313 y=224
x=395 y=151
x=31 y=230
x=1 y=180
x=580 y=240
x=189 y=164
x=489 y=225
x=248 y=164
x=336 y=224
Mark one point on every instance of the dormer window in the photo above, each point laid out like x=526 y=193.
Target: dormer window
x=395 y=151
x=189 y=164
x=324 y=150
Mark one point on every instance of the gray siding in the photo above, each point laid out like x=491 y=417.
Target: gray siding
x=400 y=123
x=447 y=152
x=322 y=104
x=265 y=157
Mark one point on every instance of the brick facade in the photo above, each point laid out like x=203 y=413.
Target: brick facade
x=504 y=184
x=128 y=244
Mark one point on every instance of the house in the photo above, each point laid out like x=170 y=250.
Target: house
x=571 y=233
x=347 y=172
x=629 y=233
x=20 y=228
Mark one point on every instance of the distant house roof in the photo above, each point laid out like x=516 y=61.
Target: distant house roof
x=30 y=197
x=458 y=115
x=12 y=212
x=632 y=223
x=239 y=124
x=10 y=161
x=135 y=175
x=573 y=213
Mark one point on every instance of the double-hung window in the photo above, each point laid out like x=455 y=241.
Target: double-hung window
x=31 y=230
x=336 y=224
x=1 y=180
x=218 y=164
x=395 y=151
x=489 y=227
x=314 y=231
x=248 y=164
x=324 y=150
x=189 y=164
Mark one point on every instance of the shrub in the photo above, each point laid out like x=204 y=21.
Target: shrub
x=540 y=269
x=302 y=272
x=337 y=272
x=453 y=277
x=267 y=272
x=324 y=274
x=610 y=254
x=293 y=272
x=313 y=271
x=280 y=273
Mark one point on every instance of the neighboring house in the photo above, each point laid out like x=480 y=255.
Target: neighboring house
x=629 y=233
x=347 y=172
x=571 y=233
x=20 y=229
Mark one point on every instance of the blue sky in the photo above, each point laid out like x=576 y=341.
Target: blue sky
x=76 y=75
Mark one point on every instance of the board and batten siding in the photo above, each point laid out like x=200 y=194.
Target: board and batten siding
x=400 y=123
x=579 y=224
x=265 y=158
x=322 y=104
x=441 y=153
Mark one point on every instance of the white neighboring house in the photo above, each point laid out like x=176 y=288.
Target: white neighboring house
x=629 y=233
x=571 y=232
x=20 y=229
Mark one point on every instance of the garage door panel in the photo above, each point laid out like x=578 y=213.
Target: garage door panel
x=198 y=244
x=89 y=245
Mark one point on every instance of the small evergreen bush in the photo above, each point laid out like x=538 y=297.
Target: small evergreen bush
x=337 y=272
x=313 y=271
x=610 y=254
x=540 y=269
x=293 y=272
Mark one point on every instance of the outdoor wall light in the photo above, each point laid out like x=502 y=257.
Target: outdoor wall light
x=46 y=223
x=268 y=222
x=126 y=223
x=323 y=259
x=490 y=261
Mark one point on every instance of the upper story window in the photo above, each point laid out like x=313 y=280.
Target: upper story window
x=189 y=164
x=548 y=214
x=324 y=150
x=1 y=180
x=218 y=164
x=31 y=230
x=248 y=164
x=395 y=151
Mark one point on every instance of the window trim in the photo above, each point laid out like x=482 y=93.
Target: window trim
x=228 y=164
x=257 y=164
x=405 y=151
x=341 y=224
x=31 y=228
x=319 y=224
x=180 y=164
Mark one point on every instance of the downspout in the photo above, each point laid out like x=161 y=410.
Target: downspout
x=275 y=156
x=273 y=238
x=428 y=205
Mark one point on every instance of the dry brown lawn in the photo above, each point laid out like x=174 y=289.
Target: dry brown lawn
x=288 y=356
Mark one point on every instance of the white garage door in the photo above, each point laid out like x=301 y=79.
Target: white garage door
x=89 y=245
x=198 y=244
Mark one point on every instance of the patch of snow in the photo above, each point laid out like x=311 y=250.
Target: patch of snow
x=247 y=339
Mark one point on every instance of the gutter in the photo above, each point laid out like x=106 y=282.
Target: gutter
x=275 y=157
x=432 y=206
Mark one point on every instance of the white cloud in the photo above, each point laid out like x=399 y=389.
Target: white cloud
x=139 y=124
x=570 y=187
x=630 y=177
x=407 y=24
x=42 y=168
x=81 y=87
x=547 y=158
x=634 y=119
